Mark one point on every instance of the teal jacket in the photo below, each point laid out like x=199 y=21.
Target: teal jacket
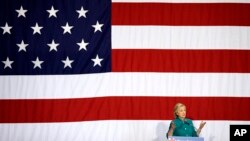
x=185 y=128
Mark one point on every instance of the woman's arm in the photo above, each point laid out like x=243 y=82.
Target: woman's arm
x=171 y=129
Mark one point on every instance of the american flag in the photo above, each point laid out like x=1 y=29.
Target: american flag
x=113 y=70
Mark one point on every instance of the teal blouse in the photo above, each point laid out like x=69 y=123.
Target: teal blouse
x=184 y=128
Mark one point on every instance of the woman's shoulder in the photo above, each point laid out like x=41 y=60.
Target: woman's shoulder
x=188 y=120
x=177 y=121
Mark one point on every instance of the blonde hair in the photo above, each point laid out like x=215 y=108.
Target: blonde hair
x=176 y=107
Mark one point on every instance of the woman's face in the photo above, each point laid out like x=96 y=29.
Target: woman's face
x=181 y=112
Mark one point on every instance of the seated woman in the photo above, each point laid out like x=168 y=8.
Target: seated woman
x=182 y=126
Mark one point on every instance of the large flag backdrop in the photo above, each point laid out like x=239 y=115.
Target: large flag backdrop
x=100 y=70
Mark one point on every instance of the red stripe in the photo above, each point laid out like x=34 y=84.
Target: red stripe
x=122 y=108
x=181 y=14
x=146 y=60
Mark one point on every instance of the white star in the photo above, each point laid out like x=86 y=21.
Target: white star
x=53 y=46
x=82 y=45
x=67 y=62
x=52 y=12
x=6 y=28
x=37 y=63
x=21 y=12
x=82 y=12
x=97 y=27
x=36 y=29
x=22 y=46
x=97 y=61
x=7 y=63
x=67 y=28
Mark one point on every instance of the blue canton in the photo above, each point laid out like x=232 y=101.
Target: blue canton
x=47 y=37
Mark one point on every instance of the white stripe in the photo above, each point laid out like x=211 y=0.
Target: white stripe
x=125 y=84
x=187 y=1
x=122 y=130
x=180 y=37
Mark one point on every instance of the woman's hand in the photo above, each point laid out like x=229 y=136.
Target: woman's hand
x=202 y=124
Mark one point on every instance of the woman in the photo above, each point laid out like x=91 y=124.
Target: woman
x=182 y=126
